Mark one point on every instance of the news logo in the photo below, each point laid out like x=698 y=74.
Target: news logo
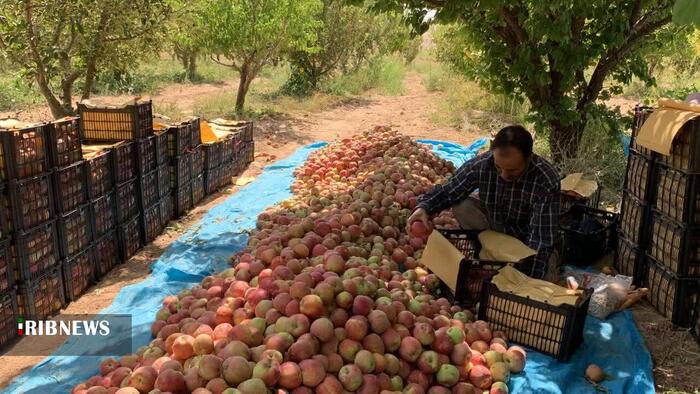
x=76 y=335
x=67 y=328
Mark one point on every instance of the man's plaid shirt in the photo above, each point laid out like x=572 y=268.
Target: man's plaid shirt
x=527 y=208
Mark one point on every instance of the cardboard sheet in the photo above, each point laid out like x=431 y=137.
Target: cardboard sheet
x=658 y=132
x=575 y=183
x=511 y=280
x=497 y=246
x=442 y=258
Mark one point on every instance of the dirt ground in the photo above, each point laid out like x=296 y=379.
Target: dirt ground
x=675 y=354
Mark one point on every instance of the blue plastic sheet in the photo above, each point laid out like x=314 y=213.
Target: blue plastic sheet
x=615 y=344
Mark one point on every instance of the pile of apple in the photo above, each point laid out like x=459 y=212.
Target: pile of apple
x=328 y=297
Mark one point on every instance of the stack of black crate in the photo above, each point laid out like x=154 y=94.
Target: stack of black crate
x=247 y=150
x=31 y=284
x=129 y=131
x=186 y=158
x=102 y=194
x=668 y=232
x=71 y=200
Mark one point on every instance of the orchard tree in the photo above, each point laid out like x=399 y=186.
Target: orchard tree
x=184 y=33
x=57 y=43
x=562 y=55
x=249 y=34
x=347 y=37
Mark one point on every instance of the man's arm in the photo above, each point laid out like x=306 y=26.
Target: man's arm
x=544 y=230
x=454 y=191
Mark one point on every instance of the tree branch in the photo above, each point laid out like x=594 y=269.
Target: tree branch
x=215 y=59
x=513 y=24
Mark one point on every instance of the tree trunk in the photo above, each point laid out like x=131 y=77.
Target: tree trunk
x=57 y=109
x=243 y=84
x=564 y=140
x=89 y=79
x=192 y=67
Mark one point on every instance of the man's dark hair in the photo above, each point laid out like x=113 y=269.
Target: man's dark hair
x=515 y=136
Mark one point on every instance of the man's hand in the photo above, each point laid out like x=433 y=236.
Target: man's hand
x=419 y=215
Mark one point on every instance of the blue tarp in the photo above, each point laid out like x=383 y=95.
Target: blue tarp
x=615 y=344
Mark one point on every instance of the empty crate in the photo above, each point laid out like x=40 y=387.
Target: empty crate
x=123 y=162
x=164 y=181
x=151 y=223
x=197 y=154
x=213 y=153
x=629 y=260
x=109 y=124
x=675 y=245
x=148 y=189
x=180 y=171
x=167 y=210
x=197 y=189
x=146 y=155
x=64 y=142
x=212 y=180
x=639 y=178
x=685 y=150
x=7 y=276
x=179 y=139
x=182 y=200
x=8 y=317
x=161 y=146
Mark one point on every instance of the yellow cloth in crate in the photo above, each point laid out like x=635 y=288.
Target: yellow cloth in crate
x=511 y=280
x=497 y=246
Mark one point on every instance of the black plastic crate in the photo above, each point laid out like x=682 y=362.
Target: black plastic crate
x=472 y=270
x=5 y=213
x=641 y=114
x=164 y=181
x=197 y=189
x=75 y=231
x=586 y=234
x=99 y=173
x=23 y=153
x=35 y=251
x=151 y=225
x=195 y=130
x=31 y=202
x=146 y=155
x=9 y=312
x=227 y=173
x=629 y=260
x=109 y=124
x=248 y=132
x=677 y=195
x=182 y=197
x=685 y=149
x=148 y=189
x=229 y=147
x=556 y=330
x=78 y=274
x=197 y=154
x=161 y=146
x=180 y=171
x=212 y=180
x=42 y=297
x=249 y=149
x=7 y=275
x=567 y=201
x=103 y=213
x=124 y=161
x=639 y=178
x=64 y=143
x=70 y=188
x=179 y=139
x=634 y=219
x=675 y=245
x=167 y=210
x=127 y=201
x=130 y=240
x=106 y=253
x=672 y=296
x=213 y=153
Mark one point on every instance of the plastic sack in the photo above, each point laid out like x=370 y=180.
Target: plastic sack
x=608 y=291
